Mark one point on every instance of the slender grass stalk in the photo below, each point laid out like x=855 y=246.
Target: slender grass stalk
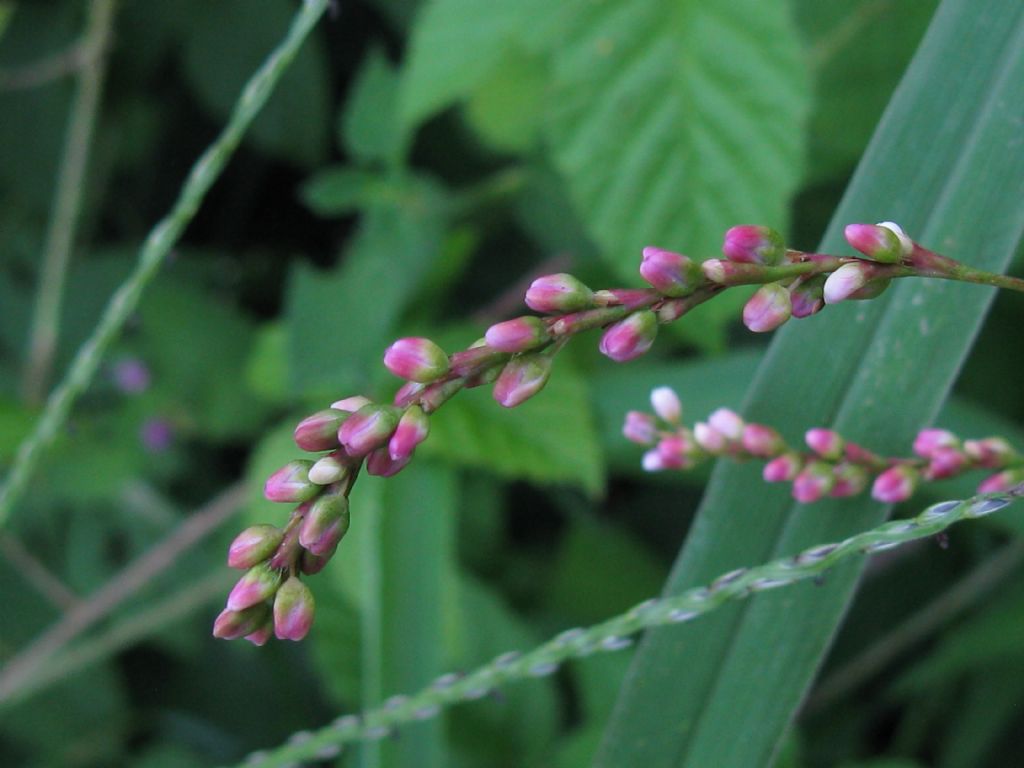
x=67 y=201
x=615 y=633
x=158 y=244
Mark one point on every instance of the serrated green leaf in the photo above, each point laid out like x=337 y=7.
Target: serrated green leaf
x=548 y=439
x=370 y=126
x=940 y=164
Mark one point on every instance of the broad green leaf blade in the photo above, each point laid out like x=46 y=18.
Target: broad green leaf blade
x=674 y=120
x=944 y=164
x=369 y=126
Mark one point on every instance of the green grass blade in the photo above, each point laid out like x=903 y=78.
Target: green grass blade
x=943 y=163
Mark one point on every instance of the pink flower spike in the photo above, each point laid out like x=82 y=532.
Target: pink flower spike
x=558 y=293
x=666 y=405
x=710 y=439
x=522 y=378
x=764 y=442
x=945 y=462
x=767 y=309
x=896 y=484
x=259 y=583
x=671 y=274
x=825 y=442
x=368 y=428
x=628 y=339
x=254 y=545
x=992 y=452
x=517 y=335
x=351 y=404
x=930 y=440
x=727 y=423
x=291 y=483
x=845 y=281
x=294 y=608
x=886 y=242
x=814 y=482
x=754 y=245
x=639 y=428
x=413 y=428
x=782 y=469
x=416 y=359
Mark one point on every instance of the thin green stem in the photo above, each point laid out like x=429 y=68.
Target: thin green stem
x=158 y=244
x=67 y=201
x=615 y=633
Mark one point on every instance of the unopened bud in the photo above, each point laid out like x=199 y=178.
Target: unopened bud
x=813 y=482
x=254 y=545
x=764 y=442
x=807 y=297
x=259 y=583
x=930 y=440
x=262 y=635
x=676 y=452
x=896 y=484
x=850 y=479
x=325 y=523
x=416 y=359
x=351 y=404
x=665 y=403
x=754 y=245
x=231 y=625
x=945 y=462
x=412 y=429
x=767 y=309
x=631 y=337
x=294 y=608
x=380 y=464
x=846 y=281
x=1002 y=481
x=329 y=469
x=671 y=274
x=558 y=293
x=714 y=270
x=728 y=423
x=991 y=452
x=319 y=432
x=782 y=469
x=522 y=378
x=885 y=242
x=311 y=564
x=825 y=442
x=291 y=483
x=517 y=335
x=368 y=428
x=710 y=439
x=639 y=428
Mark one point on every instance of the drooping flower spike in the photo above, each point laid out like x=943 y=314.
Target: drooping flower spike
x=830 y=466
x=516 y=358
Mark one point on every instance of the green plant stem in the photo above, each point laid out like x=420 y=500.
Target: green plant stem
x=615 y=633
x=67 y=201
x=158 y=244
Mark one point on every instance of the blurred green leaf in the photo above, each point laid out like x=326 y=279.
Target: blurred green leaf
x=337 y=190
x=266 y=371
x=6 y=9
x=551 y=438
x=369 y=124
x=745 y=669
x=506 y=109
x=223 y=44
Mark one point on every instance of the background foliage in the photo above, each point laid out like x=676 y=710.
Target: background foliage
x=418 y=163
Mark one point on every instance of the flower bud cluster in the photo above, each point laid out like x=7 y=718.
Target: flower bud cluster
x=830 y=466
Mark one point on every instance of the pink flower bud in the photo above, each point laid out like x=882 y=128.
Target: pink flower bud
x=351 y=404
x=412 y=429
x=1002 y=481
x=782 y=469
x=231 y=625
x=710 y=439
x=653 y=461
x=311 y=564
x=895 y=484
x=764 y=442
x=380 y=464
x=319 y=432
x=992 y=452
x=813 y=482
x=728 y=423
x=260 y=637
x=845 y=281
x=671 y=274
x=558 y=293
x=131 y=376
x=754 y=245
x=631 y=337
x=945 y=462
x=825 y=442
x=714 y=270
x=289 y=550
x=665 y=403
x=885 y=242
x=639 y=428
x=329 y=469
x=259 y=583
x=676 y=452
x=294 y=608
x=368 y=428
x=522 y=378
x=767 y=309
x=407 y=394
x=850 y=479
x=325 y=523
x=807 y=297
x=930 y=440
x=254 y=545
x=291 y=484
x=873 y=289
x=416 y=359
x=517 y=335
